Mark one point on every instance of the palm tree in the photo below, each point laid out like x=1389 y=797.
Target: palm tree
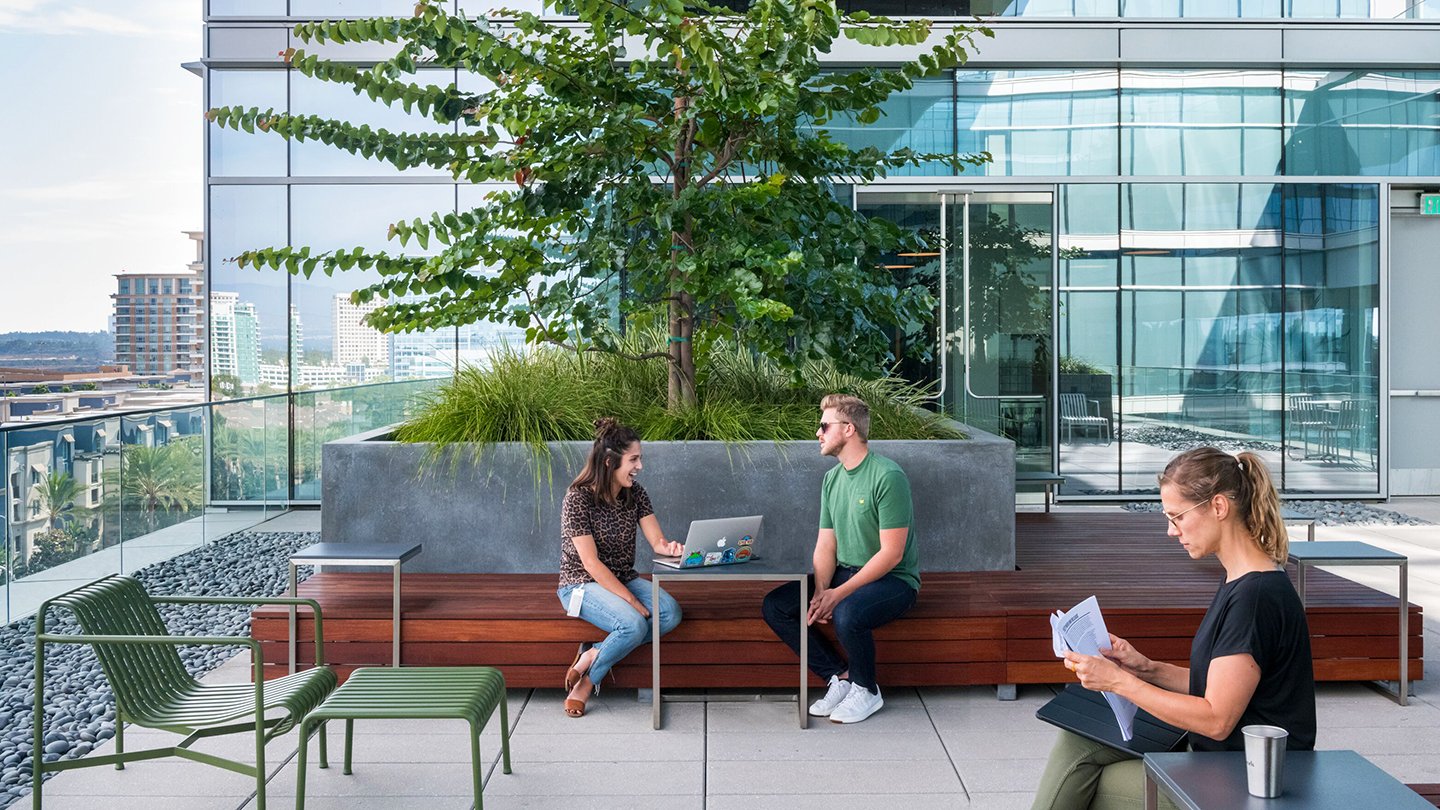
x=59 y=495
x=156 y=479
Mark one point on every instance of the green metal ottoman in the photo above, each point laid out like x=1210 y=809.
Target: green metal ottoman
x=414 y=693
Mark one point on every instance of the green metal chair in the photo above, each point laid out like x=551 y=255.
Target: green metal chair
x=153 y=689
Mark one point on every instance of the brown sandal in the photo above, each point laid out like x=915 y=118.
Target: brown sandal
x=576 y=708
x=573 y=675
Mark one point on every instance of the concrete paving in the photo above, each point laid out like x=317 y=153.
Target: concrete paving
x=930 y=748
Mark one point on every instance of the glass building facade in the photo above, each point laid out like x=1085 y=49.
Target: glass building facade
x=1181 y=232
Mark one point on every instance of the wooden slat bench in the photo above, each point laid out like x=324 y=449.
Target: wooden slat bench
x=1430 y=792
x=967 y=628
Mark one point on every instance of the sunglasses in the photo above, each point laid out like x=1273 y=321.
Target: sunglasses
x=824 y=426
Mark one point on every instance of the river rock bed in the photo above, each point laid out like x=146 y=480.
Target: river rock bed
x=79 y=707
x=1327 y=513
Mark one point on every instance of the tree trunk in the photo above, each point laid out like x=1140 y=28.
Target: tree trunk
x=682 y=304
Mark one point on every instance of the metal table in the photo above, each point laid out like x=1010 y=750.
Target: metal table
x=1351 y=552
x=1314 y=780
x=322 y=554
x=756 y=570
x=1289 y=516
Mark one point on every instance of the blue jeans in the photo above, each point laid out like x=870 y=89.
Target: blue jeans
x=627 y=628
x=878 y=603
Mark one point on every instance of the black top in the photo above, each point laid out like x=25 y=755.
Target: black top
x=613 y=528
x=1260 y=614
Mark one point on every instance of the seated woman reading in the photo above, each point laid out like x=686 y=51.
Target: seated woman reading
x=1250 y=661
x=598 y=518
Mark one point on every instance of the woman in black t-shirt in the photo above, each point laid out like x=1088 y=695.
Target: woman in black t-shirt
x=1250 y=661
x=598 y=581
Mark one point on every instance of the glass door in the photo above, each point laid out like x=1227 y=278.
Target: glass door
x=992 y=267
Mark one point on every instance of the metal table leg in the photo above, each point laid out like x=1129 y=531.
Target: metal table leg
x=1152 y=797
x=395 y=617
x=293 y=587
x=655 y=652
x=804 y=657
x=1404 y=635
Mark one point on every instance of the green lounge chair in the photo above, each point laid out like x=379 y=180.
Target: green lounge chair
x=153 y=689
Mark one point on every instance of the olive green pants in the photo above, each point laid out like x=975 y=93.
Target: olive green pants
x=1082 y=774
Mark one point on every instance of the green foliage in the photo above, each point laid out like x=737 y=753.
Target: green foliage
x=551 y=394
x=1070 y=364
x=89 y=386
x=40 y=389
x=741 y=232
x=59 y=495
x=158 y=482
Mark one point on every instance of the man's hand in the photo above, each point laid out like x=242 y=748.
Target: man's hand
x=822 y=606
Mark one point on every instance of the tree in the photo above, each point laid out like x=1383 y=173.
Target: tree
x=673 y=154
x=59 y=494
x=152 y=480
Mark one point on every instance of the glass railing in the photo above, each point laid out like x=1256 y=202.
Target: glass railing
x=112 y=493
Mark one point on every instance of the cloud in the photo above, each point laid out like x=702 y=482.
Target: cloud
x=146 y=18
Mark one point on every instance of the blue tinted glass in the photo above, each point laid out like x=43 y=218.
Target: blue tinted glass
x=1039 y=122
x=249 y=338
x=921 y=118
x=246 y=8
x=1200 y=122
x=236 y=153
x=1362 y=123
x=340 y=102
x=1212 y=9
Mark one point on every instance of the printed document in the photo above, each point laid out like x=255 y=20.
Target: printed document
x=1082 y=630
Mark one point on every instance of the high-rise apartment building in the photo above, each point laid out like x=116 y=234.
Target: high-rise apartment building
x=234 y=341
x=1208 y=218
x=159 y=320
x=356 y=343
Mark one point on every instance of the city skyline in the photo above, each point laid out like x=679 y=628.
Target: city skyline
x=118 y=183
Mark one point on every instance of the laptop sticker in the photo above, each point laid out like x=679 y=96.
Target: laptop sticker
x=712 y=558
x=747 y=540
x=727 y=556
x=742 y=554
x=694 y=559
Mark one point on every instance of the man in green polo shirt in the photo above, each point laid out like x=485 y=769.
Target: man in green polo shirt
x=867 y=566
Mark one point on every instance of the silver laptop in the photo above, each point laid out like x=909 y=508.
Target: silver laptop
x=724 y=541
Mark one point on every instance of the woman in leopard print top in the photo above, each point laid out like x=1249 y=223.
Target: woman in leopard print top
x=602 y=509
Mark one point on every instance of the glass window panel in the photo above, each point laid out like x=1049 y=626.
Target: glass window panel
x=1039 y=122
x=249 y=336
x=325 y=9
x=246 y=8
x=1200 y=122
x=1332 y=338
x=921 y=118
x=331 y=100
x=337 y=347
x=1362 y=123
x=236 y=153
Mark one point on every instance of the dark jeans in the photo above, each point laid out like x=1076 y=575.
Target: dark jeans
x=879 y=603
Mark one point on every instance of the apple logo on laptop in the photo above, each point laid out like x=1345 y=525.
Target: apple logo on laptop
x=722 y=541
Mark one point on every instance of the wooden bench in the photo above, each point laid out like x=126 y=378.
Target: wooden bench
x=1033 y=478
x=1430 y=792
x=975 y=628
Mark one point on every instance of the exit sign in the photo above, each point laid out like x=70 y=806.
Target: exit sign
x=1430 y=204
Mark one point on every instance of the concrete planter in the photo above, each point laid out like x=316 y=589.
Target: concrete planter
x=487 y=514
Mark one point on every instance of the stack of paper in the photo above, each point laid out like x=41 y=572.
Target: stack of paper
x=1082 y=630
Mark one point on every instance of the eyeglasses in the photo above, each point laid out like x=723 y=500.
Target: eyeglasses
x=824 y=426
x=1175 y=518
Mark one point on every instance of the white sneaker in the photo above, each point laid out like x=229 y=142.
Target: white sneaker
x=833 y=697
x=859 y=704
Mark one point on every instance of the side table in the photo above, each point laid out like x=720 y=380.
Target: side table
x=755 y=570
x=322 y=554
x=1352 y=552
x=1313 y=780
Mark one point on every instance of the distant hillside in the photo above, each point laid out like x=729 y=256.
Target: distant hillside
x=57 y=351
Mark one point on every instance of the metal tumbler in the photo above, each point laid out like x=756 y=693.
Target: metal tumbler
x=1265 y=760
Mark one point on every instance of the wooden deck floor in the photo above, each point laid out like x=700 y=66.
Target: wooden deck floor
x=967 y=628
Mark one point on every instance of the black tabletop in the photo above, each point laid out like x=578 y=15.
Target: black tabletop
x=753 y=569
x=1313 y=780
x=344 y=552
x=1342 y=550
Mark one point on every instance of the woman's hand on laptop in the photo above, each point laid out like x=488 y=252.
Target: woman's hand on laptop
x=669 y=548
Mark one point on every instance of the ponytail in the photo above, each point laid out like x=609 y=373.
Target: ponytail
x=1263 y=517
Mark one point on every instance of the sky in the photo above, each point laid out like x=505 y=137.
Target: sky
x=100 y=153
